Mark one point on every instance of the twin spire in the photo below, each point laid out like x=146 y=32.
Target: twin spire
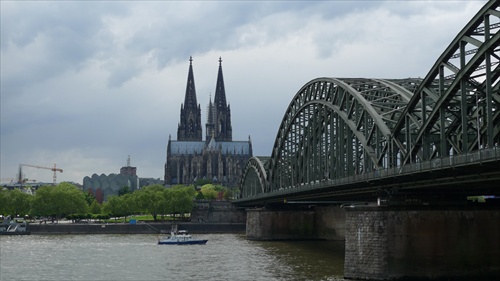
x=190 y=97
x=218 y=124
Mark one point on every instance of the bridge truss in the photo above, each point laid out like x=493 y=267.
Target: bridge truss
x=337 y=128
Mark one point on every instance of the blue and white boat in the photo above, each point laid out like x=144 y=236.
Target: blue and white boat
x=182 y=237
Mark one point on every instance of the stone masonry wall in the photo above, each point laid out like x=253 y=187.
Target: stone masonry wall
x=265 y=224
x=425 y=243
x=365 y=245
x=463 y=243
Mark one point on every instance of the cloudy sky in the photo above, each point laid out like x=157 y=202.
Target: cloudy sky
x=84 y=84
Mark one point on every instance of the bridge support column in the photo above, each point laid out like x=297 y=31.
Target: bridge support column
x=265 y=224
x=325 y=223
x=391 y=243
x=330 y=222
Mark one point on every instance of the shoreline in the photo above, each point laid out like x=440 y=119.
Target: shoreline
x=139 y=228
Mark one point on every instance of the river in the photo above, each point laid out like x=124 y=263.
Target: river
x=138 y=257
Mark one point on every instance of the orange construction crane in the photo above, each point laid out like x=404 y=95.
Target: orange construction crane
x=54 y=169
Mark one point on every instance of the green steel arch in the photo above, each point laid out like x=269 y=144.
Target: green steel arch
x=254 y=177
x=338 y=127
x=455 y=109
x=341 y=127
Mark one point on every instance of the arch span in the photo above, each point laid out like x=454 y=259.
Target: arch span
x=254 y=177
x=336 y=128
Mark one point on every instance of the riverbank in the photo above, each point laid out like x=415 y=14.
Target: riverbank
x=139 y=228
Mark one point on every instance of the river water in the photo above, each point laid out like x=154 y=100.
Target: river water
x=138 y=257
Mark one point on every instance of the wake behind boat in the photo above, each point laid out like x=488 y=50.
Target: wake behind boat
x=182 y=237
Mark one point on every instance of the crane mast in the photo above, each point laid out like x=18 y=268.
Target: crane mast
x=54 y=169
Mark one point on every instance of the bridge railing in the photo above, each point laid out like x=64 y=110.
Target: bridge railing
x=480 y=156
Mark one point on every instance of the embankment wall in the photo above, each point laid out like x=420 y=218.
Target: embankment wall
x=139 y=228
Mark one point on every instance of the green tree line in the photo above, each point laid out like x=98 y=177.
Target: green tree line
x=65 y=200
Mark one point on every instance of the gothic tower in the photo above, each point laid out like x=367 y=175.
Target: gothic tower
x=218 y=158
x=221 y=111
x=210 y=126
x=190 y=122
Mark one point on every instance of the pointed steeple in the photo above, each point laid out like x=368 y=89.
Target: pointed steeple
x=190 y=118
x=190 y=97
x=222 y=120
x=220 y=92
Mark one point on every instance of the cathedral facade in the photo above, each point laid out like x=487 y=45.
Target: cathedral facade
x=217 y=158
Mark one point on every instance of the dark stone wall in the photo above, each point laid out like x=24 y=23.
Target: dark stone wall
x=391 y=243
x=329 y=222
x=265 y=224
x=366 y=244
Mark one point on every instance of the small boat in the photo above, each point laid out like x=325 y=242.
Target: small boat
x=181 y=238
x=13 y=227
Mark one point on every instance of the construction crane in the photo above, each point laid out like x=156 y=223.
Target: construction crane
x=54 y=169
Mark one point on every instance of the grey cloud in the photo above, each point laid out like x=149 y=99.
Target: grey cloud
x=68 y=34
x=173 y=41
x=59 y=35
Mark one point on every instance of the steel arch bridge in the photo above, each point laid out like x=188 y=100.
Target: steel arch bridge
x=340 y=135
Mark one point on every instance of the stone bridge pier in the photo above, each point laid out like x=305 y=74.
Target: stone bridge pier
x=426 y=242
x=326 y=223
x=395 y=242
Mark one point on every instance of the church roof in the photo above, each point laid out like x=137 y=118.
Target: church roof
x=193 y=147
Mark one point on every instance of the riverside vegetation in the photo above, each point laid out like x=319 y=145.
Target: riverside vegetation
x=65 y=200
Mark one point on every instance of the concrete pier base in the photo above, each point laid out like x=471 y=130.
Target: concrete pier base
x=401 y=243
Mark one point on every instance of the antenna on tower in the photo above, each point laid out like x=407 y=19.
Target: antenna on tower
x=128 y=161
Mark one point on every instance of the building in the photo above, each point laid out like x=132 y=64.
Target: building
x=217 y=158
x=102 y=186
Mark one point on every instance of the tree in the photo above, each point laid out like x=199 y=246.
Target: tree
x=95 y=207
x=14 y=202
x=70 y=200
x=4 y=201
x=19 y=202
x=44 y=203
x=124 y=190
x=228 y=194
x=59 y=201
x=180 y=201
x=120 y=206
x=150 y=199
x=209 y=192
x=190 y=189
x=89 y=198
x=202 y=182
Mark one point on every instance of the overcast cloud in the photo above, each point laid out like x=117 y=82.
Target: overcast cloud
x=84 y=84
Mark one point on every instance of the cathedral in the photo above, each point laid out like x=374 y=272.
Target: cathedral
x=217 y=158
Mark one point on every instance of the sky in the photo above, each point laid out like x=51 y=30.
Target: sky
x=86 y=84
